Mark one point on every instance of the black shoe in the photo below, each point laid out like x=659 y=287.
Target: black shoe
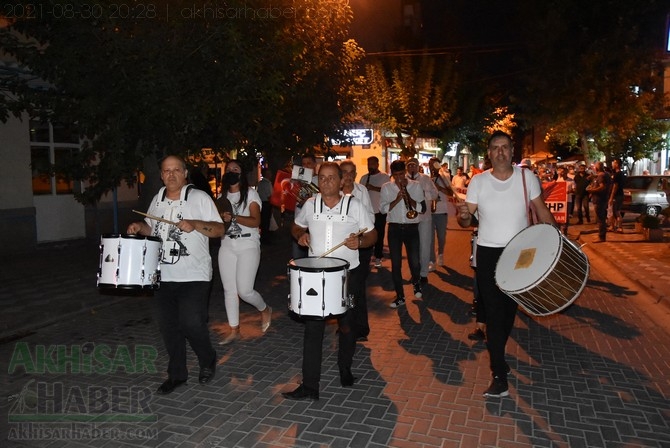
x=497 y=389
x=397 y=303
x=169 y=386
x=362 y=339
x=477 y=335
x=509 y=369
x=207 y=373
x=424 y=279
x=302 y=393
x=346 y=378
x=417 y=290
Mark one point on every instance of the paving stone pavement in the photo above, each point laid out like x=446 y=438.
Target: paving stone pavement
x=594 y=375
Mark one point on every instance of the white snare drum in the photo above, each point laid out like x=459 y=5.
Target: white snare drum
x=318 y=287
x=129 y=262
x=541 y=270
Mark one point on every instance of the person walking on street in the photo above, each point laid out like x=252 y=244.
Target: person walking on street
x=373 y=181
x=616 y=196
x=317 y=228
x=426 y=235
x=350 y=186
x=264 y=193
x=498 y=198
x=188 y=218
x=402 y=199
x=582 y=181
x=439 y=210
x=599 y=189
x=240 y=252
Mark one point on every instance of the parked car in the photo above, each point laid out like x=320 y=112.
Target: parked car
x=646 y=194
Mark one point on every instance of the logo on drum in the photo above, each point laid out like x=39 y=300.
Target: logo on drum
x=109 y=259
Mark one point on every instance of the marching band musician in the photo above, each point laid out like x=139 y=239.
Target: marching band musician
x=373 y=181
x=350 y=186
x=182 y=299
x=240 y=252
x=402 y=199
x=440 y=211
x=425 y=218
x=302 y=193
x=499 y=199
x=325 y=220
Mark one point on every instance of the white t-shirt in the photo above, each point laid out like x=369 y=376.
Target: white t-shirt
x=376 y=180
x=328 y=227
x=398 y=214
x=442 y=205
x=185 y=254
x=243 y=210
x=501 y=207
x=363 y=195
x=429 y=193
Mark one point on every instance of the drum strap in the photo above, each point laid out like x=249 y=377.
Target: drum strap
x=531 y=216
x=345 y=201
x=173 y=248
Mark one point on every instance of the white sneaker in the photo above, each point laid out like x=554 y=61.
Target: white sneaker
x=440 y=262
x=431 y=267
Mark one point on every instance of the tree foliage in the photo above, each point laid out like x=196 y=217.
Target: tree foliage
x=592 y=69
x=177 y=76
x=409 y=97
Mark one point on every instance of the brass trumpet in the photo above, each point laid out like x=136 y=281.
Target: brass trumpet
x=411 y=213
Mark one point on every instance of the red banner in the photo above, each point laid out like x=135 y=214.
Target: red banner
x=555 y=195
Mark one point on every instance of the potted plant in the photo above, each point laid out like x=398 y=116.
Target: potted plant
x=651 y=227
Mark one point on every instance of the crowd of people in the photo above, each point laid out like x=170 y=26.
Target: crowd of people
x=334 y=215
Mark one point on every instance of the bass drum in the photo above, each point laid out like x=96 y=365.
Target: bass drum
x=542 y=270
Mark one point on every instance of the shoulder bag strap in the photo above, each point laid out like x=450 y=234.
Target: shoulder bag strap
x=525 y=197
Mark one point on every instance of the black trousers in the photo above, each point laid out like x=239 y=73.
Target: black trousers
x=500 y=309
x=601 y=214
x=380 y=227
x=582 y=203
x=407 y=234
x=181 y=312
x=312 y=346
x=361 y=297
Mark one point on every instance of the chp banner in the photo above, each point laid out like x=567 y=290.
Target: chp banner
x=555 y=195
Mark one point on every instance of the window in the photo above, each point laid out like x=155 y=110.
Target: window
x=51 y=147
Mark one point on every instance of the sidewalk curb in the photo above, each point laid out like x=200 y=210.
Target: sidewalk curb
x=659 y=298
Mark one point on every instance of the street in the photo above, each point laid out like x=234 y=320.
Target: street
x=595 y=375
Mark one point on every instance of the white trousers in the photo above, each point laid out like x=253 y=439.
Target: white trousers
x=425 y=238
x=238 y=265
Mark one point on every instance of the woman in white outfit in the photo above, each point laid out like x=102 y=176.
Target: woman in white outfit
x=240 y=251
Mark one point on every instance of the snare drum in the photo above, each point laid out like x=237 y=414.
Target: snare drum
x=541 y=270
x=129 y=262
x=319 y=287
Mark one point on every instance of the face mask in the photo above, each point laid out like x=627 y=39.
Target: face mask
x=231 y=178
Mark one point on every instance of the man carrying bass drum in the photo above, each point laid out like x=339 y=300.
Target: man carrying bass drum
x=497 y=196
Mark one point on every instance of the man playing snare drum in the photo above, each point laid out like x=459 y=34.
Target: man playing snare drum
x=187 y=218
x=325 y=221
x=498 y=197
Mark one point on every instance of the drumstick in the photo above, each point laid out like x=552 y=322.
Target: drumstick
x=332 y=249
x=155 y=218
